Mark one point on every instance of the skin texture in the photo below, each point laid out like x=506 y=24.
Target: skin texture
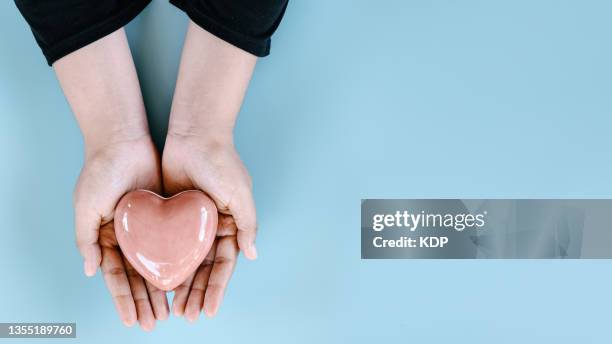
x=101 y=85
x=199 y=153
x=102 y=88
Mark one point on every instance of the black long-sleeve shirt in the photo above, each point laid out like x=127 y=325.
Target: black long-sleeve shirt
x=63 y=26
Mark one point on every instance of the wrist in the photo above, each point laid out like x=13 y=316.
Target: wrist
x=202 y=132
x=112 y=137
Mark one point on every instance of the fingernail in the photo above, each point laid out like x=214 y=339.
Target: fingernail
x=147 y=326
x=163 y=315
x=209 y=312
x=191 y=317
x=176 y=310
x=129 y=322
x=89 y=269
x=251 y=252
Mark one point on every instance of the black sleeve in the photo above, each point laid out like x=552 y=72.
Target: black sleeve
x=246 y=24
x=63 y=26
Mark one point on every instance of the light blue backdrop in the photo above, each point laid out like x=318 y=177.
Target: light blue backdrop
x=358 y=99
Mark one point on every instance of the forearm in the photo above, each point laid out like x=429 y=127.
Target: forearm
x=101 y=85
x=212 y=80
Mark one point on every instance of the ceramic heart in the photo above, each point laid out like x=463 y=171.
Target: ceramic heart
x=165 y=239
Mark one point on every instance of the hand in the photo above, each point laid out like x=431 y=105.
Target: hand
x=108 y=173
x=199 y=153
x=101 y=85
x=215 y=168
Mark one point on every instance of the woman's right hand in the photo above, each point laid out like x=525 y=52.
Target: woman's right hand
x=110 y=172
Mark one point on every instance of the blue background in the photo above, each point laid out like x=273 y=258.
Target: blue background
x=410 y=99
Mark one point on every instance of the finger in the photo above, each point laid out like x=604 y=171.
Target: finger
x=180 y=296
x=87 y=224
x=141 y=298
x=242 y=208
x=226 y=226
x=159 y=301
x=195 y=302
x=118 y=285
x=107 y=237
x=223 y=267
x=175 y=184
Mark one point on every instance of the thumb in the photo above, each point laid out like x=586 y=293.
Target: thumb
x=87 y=225
x=242 y=209
x=239 y=203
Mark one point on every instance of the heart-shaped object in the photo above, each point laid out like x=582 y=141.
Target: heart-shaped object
x=165 y=239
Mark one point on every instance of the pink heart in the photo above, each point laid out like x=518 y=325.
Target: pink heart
x=165 y=239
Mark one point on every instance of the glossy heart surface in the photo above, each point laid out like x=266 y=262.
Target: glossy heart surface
x=165 y=239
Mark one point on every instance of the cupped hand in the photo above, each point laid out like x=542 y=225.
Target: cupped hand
x=189 y=162
x=109 y=172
